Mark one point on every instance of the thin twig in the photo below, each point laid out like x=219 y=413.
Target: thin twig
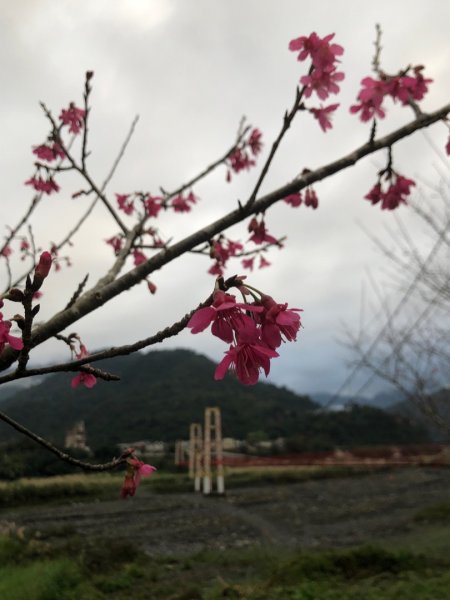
x=62 y=455
x=287 y=120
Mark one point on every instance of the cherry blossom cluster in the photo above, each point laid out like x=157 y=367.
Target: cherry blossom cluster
x=310 y=198
x=254 y=330
x=323 y=75
x=259 y=232
x=73 y=117
x=249 y=263
x=83 y=378
x=45 y=184
x=404 y=88
x=42 y=180
x=323 y=54
x=394 y=194
x=136 y=469
x=323 y=115
x=148 y=205
x=243 y=156
x=221 y=250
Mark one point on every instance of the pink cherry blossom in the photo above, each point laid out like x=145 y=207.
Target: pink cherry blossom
x=311 y=198
x=183 y=204
x=116 y=242
x=396 y=193
x=323 y=115
x=259 y=232
x=322 y=53
x=323 y=83
x=124 y=204
x=447 y=147
x=136 y=469
x=246 y=359
x=248 y=263
x=240 y=160
x=226 y=317
x=263 y=262
x=49 y=153
x=216 y=269
x=138 y=257
x=5 y=338
x=74 y=117
x=87 y=379
x=277 y=321
x=43 y=185
x=324 y=77
x=294 y=199
x=152 y=205
x=375 y=194
x=241 y=157
x=406 y=87
x=255 y=142
x=371 y=98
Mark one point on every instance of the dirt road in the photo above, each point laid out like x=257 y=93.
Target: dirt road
x=322 y=513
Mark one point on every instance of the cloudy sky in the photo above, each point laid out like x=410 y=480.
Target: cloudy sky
x=191 y=69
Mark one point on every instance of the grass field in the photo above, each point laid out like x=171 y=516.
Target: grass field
x=32 y=571
x=64 y=563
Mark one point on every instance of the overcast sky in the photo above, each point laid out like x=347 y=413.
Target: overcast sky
x=191 y=69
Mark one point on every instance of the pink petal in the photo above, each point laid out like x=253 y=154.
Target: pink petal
x=224 y=364
x=201 y=319
x=146 y=470
x=223 y=330
x=89 y=380
x=76 y=381
x=15 y=342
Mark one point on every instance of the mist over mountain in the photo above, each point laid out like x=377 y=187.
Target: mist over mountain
x=384 y=399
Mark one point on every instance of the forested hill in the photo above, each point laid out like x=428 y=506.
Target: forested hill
x=162 y=392
x=159 y=395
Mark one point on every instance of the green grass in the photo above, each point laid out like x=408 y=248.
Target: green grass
x=87 y=569
x=436 y=513
x=46 y=580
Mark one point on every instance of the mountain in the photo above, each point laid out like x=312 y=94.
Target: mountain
x=162 y=392
x=6 y=391
x=159 y=395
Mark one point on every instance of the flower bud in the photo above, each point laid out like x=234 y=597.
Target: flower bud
x=15 y=295
x=42 y=270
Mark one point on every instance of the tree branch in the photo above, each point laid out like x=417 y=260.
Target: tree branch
x=96 y=297
x=62 y=455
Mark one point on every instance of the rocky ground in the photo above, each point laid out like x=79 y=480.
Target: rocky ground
x=312 y=514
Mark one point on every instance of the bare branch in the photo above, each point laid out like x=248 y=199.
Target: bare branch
x=62 y=455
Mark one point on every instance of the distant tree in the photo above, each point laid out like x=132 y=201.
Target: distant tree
x=405 y=338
